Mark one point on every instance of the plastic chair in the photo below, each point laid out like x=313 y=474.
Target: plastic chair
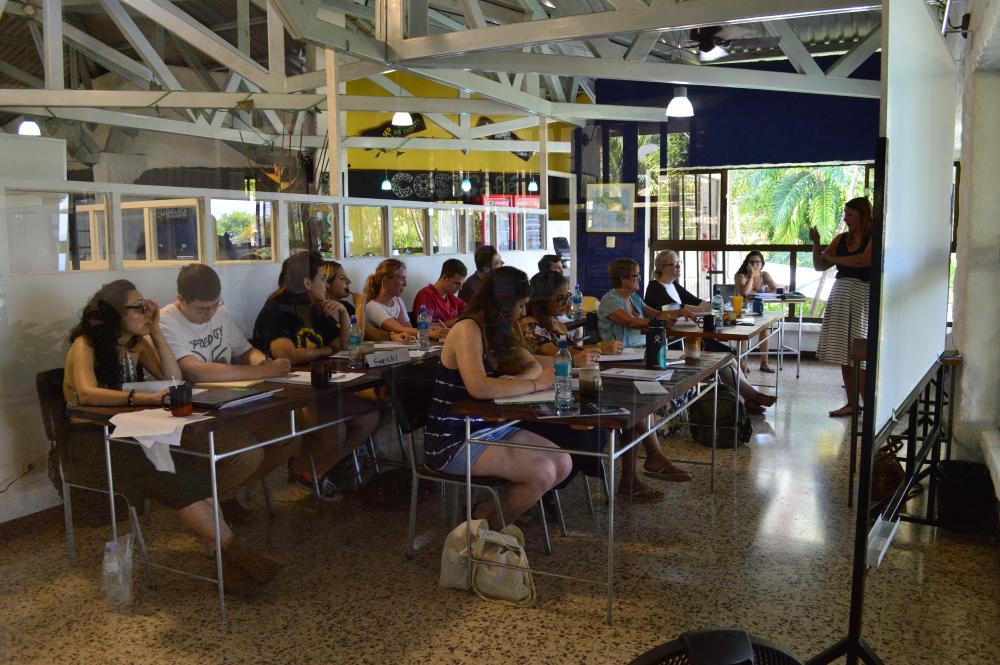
x=716 y=647
x=52 y=404
x=411 y=387
x=590 y=304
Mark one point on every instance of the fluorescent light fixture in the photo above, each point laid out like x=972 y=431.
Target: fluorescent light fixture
x=549 y=4
x=386 y=185
x=532 y=186
x=714 y=54
x=466 y=185
x=401 y=119
x=29 y=128
x=680 y=105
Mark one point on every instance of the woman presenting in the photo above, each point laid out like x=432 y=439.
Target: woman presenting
x=846 y=316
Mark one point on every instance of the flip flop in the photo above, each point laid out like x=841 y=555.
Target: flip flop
x=644 y=495
x=672 y=475
x=767 y=370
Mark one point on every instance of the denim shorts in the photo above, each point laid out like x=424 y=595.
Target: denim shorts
x=456 y=465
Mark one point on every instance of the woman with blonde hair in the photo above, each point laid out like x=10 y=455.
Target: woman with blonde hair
x=385 y=308
x=846 y=315
x=338 y=287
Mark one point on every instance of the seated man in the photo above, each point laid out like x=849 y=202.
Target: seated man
x=439 y=298
x=487 y=259
x=209 y=347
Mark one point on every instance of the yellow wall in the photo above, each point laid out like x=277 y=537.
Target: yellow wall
x=443 y=160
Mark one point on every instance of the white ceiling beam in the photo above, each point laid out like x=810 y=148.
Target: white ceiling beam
x=135 y=37
x=861 y=51
x=195 y=64
x=110 y=58
x=137 y=99
x=52 y=25
x=475 y=145
x=417 y=18
x=3 y=6
x=269 y=114
x=792 y=46
x=576 y=113
x=232 y=85
x=10 y=71
x=184 y=26
x=243 y=26
x=681 y=16
x=275 y=47
x=628 y=4
x=641 y=46
x=345 y=72
x=473 y=14
x=658 y=72
x=483 y=86
x=495 y=128
x=438 y=119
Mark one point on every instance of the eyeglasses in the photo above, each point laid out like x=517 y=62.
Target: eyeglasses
x=210 y=309
x=138 y=306
x=561 y=300
x=676 y=264
x=756 y=263
x=634 y=275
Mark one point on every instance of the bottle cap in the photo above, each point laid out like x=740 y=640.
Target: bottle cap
x=354 y=319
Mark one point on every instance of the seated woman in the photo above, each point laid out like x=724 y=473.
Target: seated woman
x=666 y=290
x=108 y=348
x=483 y=358
x=338 y=287
x=300 y=323
x=542 y=330
x=385 y=308
x=622 y=315
x=750 y=279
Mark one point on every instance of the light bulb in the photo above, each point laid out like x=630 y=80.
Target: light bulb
x=401 y=119
x=466 y=185
x=386 y=185
x=532 y=186
x=29 y=128
x=680 y=105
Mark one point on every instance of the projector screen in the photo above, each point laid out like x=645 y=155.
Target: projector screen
x=918 y=122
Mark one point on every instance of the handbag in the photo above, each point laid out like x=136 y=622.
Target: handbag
x=512 y=585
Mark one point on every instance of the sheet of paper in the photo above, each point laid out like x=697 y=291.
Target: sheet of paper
x=675 y=354
x=650 y=388
x=536 y=397
x=231 y=384
x=151 y=423
x=149 y=386
x=641 y=374
x=628 y=355
x=158 y=453
x=345 y=377
x=249 y=398
x=301 y=378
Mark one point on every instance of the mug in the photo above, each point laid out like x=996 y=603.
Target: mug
x=758 y=306
x=319 y=373
x=707 y=323
x=590 y=381
x=179 y=401
x=692 y=349
x=780 y=291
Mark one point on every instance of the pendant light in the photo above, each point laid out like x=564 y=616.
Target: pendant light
x=29 y=128
x=386 y=185
x=680 y=105
x=401 y=118
x=466 y=184
x=532 y=185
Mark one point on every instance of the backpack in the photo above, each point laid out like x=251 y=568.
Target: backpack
x=700 y=417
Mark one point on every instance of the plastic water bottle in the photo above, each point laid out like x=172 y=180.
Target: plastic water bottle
x=117 y=573
x=423 y=328
x=576 y=303
x=564 y=378
x=354 y=337
x=718 y=304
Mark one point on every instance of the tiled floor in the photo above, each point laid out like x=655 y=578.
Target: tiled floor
x=769 y=551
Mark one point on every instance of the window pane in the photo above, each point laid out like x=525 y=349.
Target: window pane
x=694 y=204
x=408 y=231
x=310 y=227
x=243 y=229
x=134 y=221
x=779 y=205
x=479 y=229
x=445 y=231
x=649 y=164
x=615 y=148
x=363 y=232
x=176 y=233
x=506 y=231
x=54 y=231
x=813 y=284
x=533 y=232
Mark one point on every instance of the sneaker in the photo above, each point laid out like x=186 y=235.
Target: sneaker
x=327 y=489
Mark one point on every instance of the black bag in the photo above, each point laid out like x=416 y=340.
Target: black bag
x=700 y=417
x=966 y=501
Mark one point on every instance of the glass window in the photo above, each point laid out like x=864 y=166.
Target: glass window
x=243 y=229
x=445 y=227
x=693 y=207
x=506 y=231
x=479 y=229
x=55 y=231
x=649 y=165
x=310 y=227
x=534 y=231
x=363 y=232
x=814 y=284
x=409 y=231
x=167 y=226
x=616 y=147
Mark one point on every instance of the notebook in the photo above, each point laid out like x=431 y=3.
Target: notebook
x=224 y=398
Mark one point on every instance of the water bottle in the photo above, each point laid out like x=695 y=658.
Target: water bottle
x=117 y=573
x=656 y=345
x=564 y=378
x=423 y=328
x=718 y=304
x=354 y=337
x=576 y=303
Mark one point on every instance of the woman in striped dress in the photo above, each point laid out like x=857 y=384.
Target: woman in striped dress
x=484 y=358
x=846 y=316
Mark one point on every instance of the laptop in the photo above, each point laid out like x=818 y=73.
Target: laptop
x=223 y=398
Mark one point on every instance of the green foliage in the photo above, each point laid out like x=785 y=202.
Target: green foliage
x=238 y=225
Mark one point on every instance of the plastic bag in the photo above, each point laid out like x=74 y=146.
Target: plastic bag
x=117 y=573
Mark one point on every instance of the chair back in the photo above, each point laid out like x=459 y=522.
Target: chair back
x=49 y=385
x=411 y=387
x=590 y=304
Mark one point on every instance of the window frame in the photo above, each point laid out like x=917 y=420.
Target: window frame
x=149 y=229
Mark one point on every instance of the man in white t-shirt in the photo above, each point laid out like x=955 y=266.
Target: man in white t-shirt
x=209 y=347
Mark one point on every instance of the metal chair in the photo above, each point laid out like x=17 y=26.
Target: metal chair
x=411 y=387
x=716 y=647
x=52 y=404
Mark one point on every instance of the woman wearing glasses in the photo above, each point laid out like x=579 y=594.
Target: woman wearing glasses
x=108 y=348
x=751 y=278
x=622 y=316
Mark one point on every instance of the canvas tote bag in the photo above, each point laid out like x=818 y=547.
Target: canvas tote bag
x=490 y=582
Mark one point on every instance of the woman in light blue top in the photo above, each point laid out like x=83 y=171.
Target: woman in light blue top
x=622 y=315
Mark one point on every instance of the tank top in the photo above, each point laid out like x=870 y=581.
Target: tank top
x=846 y=271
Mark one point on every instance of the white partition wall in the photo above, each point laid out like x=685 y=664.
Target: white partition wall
x=918 y=120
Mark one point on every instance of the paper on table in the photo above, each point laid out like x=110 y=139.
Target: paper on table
x=535 y=397
x=642 y=374
x=650 y=388
x=231 y=384
x=345 y=377
x=156 y=430
x=625 y=356
x=674 y=354
x=149 y=386
x=300 y=378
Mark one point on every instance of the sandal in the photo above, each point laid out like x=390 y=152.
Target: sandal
x=670 y=473
x=767 y=369
x=642 y=495
x=842 y=412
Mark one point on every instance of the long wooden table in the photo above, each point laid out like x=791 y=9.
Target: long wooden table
x=701 y=375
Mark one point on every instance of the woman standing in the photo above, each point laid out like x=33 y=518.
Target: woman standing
x=108 y=348
x=751 y=278
x=484 y=358
x=846 y=316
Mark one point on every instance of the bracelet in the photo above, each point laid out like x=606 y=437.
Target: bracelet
x=131 y=397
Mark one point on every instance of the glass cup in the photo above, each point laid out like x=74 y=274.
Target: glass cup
x=692 y=349
x=737 y=305
x=590 y=381
x=319 y=372
x=178 y=401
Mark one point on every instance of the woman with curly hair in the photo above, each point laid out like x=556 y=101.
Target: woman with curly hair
x=385 y=308
x=108 y=348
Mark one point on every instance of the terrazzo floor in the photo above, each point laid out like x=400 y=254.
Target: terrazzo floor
x=769 y=551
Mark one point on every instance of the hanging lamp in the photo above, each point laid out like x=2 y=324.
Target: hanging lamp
x=680 y=105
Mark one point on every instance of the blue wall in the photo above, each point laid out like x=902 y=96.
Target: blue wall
x=733 y=127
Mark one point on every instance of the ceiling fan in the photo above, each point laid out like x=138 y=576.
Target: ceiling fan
x=716 y=41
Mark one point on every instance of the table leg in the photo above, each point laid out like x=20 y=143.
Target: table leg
x=610 y=472
x=781 y=345
x=111 y=483
x=715 y=428
x=854 y=435
x=736 y=411
x=468 y=503
x=798 y=348
x=216 y=510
